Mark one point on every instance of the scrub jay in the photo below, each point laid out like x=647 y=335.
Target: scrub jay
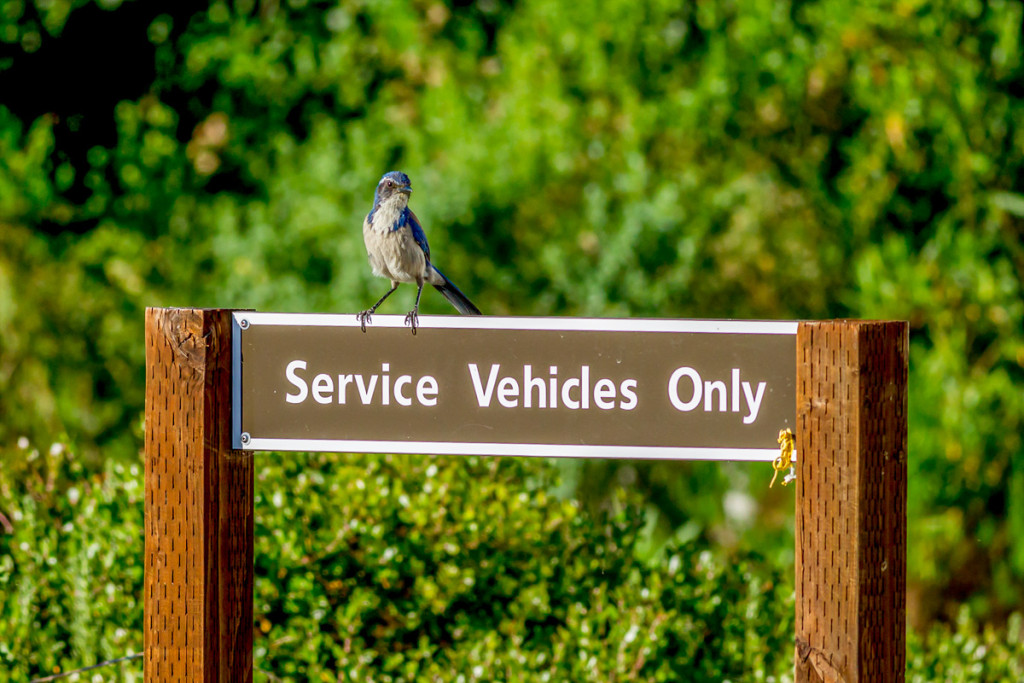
x=398 y=250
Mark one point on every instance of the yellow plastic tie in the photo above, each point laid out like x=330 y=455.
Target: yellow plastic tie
x=785 y=459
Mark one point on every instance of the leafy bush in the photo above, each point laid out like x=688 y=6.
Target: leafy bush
x=71 y=562
x=965 y=653
x=392 y=568
x=409 y=568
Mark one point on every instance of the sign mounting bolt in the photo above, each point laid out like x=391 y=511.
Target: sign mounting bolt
x=243 y=323
x=245 y=438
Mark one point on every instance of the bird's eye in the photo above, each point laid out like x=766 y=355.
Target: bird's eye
x=389 y=182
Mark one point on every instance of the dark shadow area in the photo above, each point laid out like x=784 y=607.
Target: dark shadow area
x=100 y=58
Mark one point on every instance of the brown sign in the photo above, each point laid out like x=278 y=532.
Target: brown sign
x=618 y=388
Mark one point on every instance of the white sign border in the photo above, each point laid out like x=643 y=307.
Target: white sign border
x=516 y=449
x=242 y=320
x=489 y=322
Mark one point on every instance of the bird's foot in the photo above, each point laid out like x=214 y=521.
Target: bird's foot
x=413 y=320
x=363 y=317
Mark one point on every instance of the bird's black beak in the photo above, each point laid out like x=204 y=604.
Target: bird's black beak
x=407 y=190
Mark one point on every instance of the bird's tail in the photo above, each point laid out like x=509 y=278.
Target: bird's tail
x=454 y=295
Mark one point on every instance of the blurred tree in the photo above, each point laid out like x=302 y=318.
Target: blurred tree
x=740 y=159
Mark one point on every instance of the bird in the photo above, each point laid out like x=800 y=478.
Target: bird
x=397 y=249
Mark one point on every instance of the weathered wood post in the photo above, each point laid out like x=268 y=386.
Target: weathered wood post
x=199 y=505
x=851 y=502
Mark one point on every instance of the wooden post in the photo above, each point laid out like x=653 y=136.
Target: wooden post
x=199 y=505
x=851 y=502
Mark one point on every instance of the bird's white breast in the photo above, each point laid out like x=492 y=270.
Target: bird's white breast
x=393 y=254
x=385 y=216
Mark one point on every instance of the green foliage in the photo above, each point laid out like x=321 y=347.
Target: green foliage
x=415 y=568
x=26 y=24
x=405 y=568
x=740 y=159
x=964 y=653
x=70 y=562
x=396 y=569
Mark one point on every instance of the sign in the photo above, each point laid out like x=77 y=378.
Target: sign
x=577 y=387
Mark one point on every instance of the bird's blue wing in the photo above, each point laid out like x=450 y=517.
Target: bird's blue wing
x=417 y=233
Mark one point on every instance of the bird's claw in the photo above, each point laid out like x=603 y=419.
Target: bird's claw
x=363 y=317
x=413 y=320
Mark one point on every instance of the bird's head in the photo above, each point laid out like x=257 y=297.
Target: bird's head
x=393 y=186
